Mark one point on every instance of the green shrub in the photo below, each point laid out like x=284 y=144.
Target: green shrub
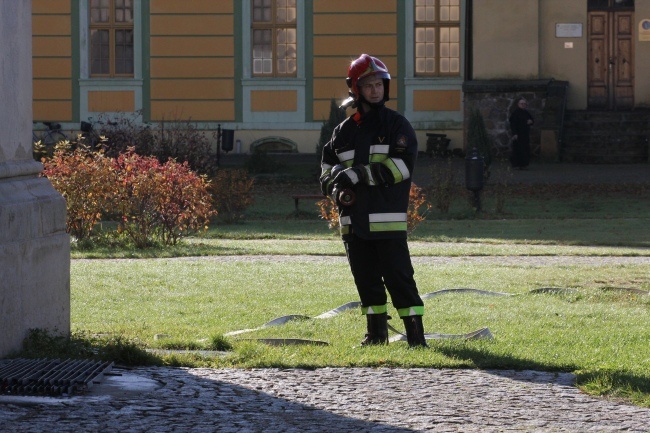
x=159 y=201
x=184 y=142
x=180 y=140
x=87 y=181
x=337 y=115
x=152 y=202
x=232 y=193
x=443 y=186
x=125 y=132
x=262 y=163
x=478 y=137
x=184 y=202
x=416 y=213
x=500 y=186
x=418 y=208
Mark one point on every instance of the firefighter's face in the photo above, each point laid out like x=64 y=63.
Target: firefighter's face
x=372 y=89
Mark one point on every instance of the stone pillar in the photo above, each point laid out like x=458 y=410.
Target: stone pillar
x=34 y=247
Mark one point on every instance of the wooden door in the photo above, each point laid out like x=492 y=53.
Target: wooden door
x=611 y=60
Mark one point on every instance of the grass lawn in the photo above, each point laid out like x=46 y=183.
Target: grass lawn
x=597 y=329
x=278 y=262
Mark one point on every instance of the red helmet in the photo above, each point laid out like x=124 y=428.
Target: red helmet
x=366 y=66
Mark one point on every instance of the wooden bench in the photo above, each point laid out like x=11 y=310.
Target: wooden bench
x=297 y=197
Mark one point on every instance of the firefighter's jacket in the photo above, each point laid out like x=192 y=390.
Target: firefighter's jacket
x=383 y=144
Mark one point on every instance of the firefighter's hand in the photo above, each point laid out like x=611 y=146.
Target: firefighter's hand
x=349 y=177
x=327 y=180
x=336 y=170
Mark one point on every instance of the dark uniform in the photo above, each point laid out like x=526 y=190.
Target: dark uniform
x=520 y=122
x=378 y=148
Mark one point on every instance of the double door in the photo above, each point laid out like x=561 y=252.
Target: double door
x=611 y=59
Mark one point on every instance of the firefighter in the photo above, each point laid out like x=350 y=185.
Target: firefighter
x=367 y=168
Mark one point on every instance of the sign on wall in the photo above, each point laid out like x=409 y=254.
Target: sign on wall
x=644 y=30
x=568 y=30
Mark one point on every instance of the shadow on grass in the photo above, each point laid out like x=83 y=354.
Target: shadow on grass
x=485 y=360
x=616 y=384
x=607 y=382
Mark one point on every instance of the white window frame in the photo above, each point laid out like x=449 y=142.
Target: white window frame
x=88 y=84
x=428 y=119
x=250 y=83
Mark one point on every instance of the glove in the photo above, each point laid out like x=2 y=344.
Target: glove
x=349 y=177
x=336 y=170
x=327 y=180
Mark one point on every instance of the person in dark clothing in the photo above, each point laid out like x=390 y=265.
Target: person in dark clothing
x=367 y=168
x=520 y=122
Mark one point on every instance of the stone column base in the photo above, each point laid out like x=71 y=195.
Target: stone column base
x=35 y=256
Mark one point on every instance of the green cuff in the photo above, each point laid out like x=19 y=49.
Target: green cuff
x=374 y=309
x=411 y=311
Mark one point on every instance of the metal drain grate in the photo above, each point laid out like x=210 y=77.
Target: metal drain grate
x=50 y=377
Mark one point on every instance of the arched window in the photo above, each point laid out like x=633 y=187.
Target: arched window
x=274 y=145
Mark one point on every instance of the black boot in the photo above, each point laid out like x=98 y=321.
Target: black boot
x=377 y=329
x=414 y=331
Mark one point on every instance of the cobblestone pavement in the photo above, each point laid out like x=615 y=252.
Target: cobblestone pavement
x=325 y=400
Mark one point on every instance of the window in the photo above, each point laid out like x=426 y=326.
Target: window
x=437 y=37
x=111 y=38
x=274 y=38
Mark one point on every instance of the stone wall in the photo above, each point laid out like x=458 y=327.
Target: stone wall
x=497 y=99
x=34 y=247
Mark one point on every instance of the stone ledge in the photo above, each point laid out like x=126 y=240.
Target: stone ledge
x=497 y=86
x=30 y=208
x=13 y=169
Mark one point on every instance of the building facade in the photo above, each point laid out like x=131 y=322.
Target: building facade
x=270 y=68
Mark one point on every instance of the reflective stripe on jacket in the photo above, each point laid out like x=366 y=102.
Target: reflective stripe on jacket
x=384 y=145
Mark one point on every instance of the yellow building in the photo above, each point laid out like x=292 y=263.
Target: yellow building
x=269 y=68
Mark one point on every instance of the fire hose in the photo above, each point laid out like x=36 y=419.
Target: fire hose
x=400 y=336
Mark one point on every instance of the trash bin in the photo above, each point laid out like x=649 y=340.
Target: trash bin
x=474 y=172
